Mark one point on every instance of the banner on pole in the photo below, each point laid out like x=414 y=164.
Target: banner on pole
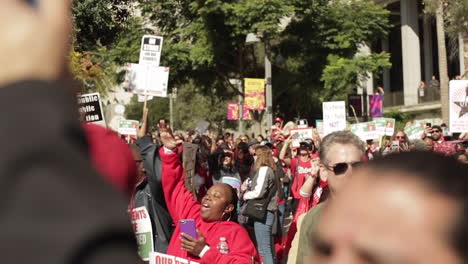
x=89 y=106
x=376 y=105
x=334 y=116
x=458 y=106
x=254 y=90
x=233 y=112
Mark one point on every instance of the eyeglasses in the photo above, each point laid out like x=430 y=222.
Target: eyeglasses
x=400 y=137
x=342 y=168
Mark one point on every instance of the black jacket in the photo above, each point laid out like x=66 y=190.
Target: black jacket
x=54 y=208
x=151 y=195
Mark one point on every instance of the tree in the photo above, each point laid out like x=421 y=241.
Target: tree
x=452 y=16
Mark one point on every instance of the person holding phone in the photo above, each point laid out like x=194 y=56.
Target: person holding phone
x=213 y=217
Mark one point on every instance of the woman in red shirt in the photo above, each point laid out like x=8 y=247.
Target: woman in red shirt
x=212 y=216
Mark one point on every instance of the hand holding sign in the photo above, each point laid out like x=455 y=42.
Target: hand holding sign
x=34 y=41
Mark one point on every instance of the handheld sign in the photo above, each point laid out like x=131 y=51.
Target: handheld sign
x=144 y=233
x=146 y=80
x=89 y=105
x=301 y=135
x=458 y=106
x=128 y=127
x=150 y=52
x=334 y=116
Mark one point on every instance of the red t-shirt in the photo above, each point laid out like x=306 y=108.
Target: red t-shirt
x=303 y=168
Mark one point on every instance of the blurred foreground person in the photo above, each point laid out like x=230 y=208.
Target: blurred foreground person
x=54 y=206
x=406 y=208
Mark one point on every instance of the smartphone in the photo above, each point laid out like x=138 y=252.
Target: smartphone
x=395 y=145
x=187 y=226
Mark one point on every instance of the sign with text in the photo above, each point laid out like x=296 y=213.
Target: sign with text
x=319 y=126
x=128 y=127
x=365 y=131
x=458 y=106
x=300 y=135
x=385 y=126
x=146 y=80
x=334 y=116
x=144 y=233
x=160 y=258
x=90 y=108
x=150 y=51
x=254 y=93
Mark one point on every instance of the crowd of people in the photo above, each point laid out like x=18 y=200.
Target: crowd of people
x=69 y=188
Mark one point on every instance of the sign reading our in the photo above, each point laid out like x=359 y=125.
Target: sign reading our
x=90 y=107
x=150 y=52
x=160 y=258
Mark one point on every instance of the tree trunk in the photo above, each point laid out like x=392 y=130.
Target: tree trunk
x=465 y=56
x=443 y=68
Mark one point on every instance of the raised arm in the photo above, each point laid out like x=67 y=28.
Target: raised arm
x=179 y=200
x=282 y=154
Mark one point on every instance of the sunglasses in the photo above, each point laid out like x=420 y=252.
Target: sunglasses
x=399 y=137
x=342 y=168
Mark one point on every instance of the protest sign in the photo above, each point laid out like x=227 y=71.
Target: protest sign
x=254 y=93
x=146 y=80
x=385 y=126
x=143 y=98
x=150 y=51
x=128 y=127
x=160 y=258
x=376 y=105
x=90 y=108
x=365 y=131
x=144 y=233
x=334 y=116
x=300 y=135
x=458 y=106
x=319 y=126
x=189 y=156
x=416 y=130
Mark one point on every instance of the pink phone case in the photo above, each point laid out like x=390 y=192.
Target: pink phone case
x=187 y=226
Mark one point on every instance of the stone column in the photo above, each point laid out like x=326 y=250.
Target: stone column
x=410 y=50
x=463 y=58
x=428 y=50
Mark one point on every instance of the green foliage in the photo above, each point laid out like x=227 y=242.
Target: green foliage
x=340 y=76
x=158 y=109
x=455 y=15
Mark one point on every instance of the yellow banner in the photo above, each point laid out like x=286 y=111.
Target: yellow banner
x=254 y=94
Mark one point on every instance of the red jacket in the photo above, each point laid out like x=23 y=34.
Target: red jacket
x=182 y=206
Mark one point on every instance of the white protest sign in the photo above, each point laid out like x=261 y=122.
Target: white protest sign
x=416 y=130
x=142 y=98
x=144 y=233
x=300 y=135
x=385 y=126
x=334 y=117
x=150 y=51
x=458 y=106
x=89 y=105
x=319 y=126
x=146 y=80
x=160 y=258
x=128 y=127
x=365 y=131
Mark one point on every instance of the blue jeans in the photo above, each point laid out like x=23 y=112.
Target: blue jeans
x=265 y=239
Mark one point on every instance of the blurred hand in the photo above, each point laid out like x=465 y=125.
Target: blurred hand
x=34 y=42
x=167 y=138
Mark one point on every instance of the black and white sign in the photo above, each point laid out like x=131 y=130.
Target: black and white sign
x=150 y=52
x=91 y=109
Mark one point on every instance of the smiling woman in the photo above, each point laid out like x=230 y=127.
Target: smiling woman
x=212 y=217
